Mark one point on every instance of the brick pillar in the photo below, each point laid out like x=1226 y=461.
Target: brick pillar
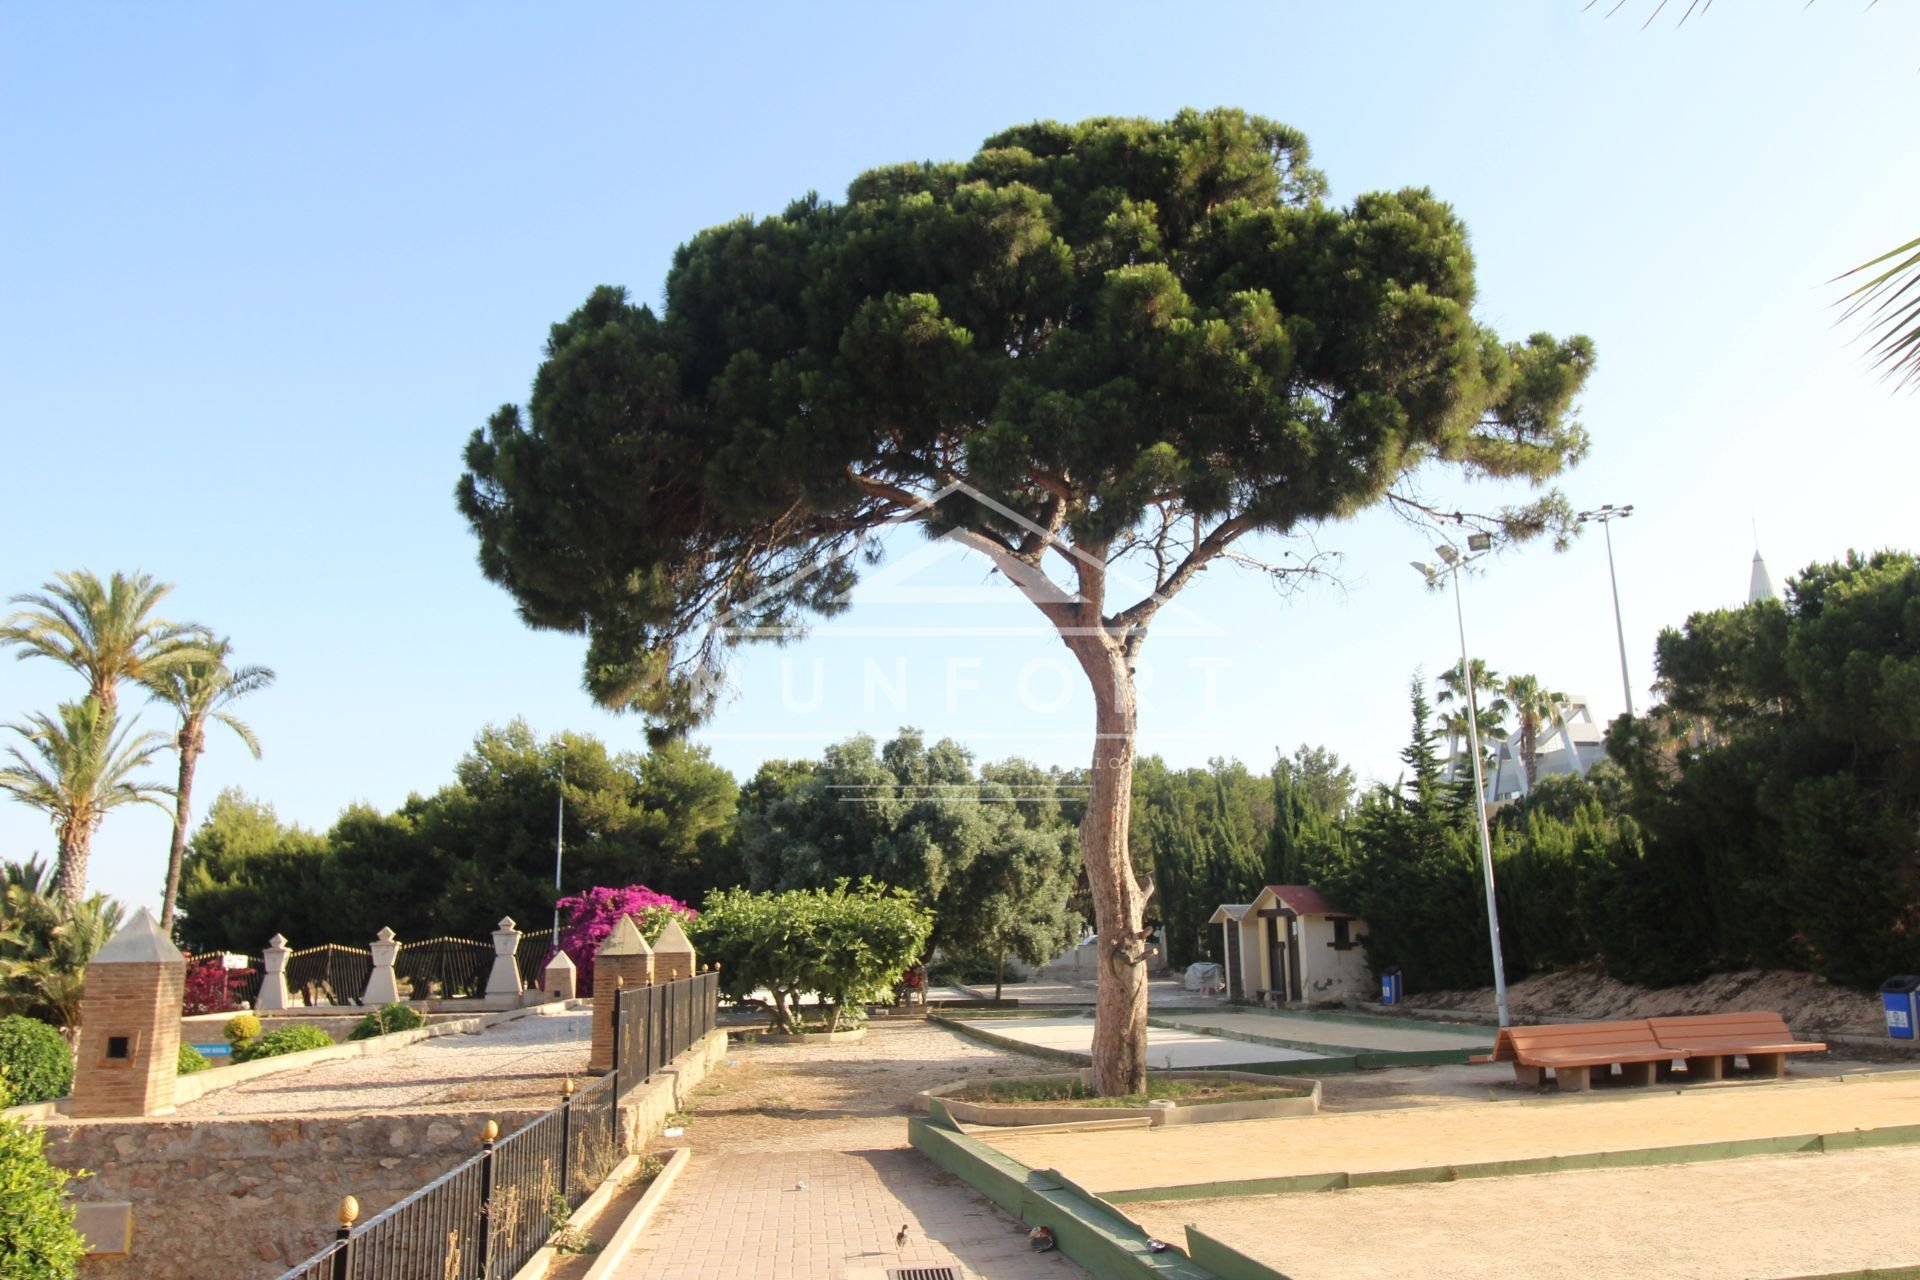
x=129 y=1048
x=624 y=956
x=672 y=953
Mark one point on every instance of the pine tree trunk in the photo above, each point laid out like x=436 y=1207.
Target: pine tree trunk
x=1119 y=903
x=182 y=815
x=999 y=976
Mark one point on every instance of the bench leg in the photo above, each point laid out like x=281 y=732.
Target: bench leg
x=1636 y=1073
x=1767 y=1064
x=1531 y=1076
x=1572 y=1079
x=1706 y=1067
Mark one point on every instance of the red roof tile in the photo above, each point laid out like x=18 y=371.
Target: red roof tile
x=1304 y=900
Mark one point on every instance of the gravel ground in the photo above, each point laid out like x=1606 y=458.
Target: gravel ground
x=524 y=1061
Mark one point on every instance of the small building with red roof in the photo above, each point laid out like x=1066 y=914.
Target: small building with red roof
x=1291 y=946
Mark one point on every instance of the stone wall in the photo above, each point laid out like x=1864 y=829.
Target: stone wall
x=248 y=1198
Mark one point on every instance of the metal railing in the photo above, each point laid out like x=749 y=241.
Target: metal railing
x=531 y=957
x=329 y=974
x=443 y=967
x=484 y=1218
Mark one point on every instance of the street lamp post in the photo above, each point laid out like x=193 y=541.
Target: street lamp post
x=1478 y=543
x=1604 y=517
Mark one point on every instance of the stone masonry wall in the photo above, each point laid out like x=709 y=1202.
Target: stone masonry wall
x=248 y=1198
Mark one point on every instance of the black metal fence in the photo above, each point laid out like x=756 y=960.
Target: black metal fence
x=330 y=974
x=487 y=1216
x=531 y=957
x=442 y=968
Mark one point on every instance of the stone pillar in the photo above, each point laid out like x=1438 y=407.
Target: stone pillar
x=273 y=963
x=382 y=986
x=503 y=981
x=623 y=957
x=129 y=1050
x=561 y=977
x=672 y=953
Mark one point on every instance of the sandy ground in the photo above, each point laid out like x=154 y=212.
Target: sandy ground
x=1394 y=1036
x=1767 y=1216
x=524 y=1062
x=1167 y=1047
x=1812 y=1006
x=1465 y=1133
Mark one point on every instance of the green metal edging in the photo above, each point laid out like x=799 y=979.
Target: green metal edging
x=1086 y=1228
x=1692 y=1153
x=1226 y=1261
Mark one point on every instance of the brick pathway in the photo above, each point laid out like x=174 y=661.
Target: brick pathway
x=801 y=1171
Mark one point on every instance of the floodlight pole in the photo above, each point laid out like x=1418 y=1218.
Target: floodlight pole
x=1454 y=563
x=559 y=850
x=1604 y=517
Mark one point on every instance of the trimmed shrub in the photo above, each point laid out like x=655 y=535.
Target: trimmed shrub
x=385 y=1020
x=191 y=1060
x=37 y=1239
x=239 y=1030
x=35 y=1059
x=294 y=1039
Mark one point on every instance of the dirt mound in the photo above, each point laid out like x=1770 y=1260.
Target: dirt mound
x=1811 y=1005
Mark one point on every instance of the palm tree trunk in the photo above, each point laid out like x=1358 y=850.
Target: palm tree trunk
x=1530 y=746
x=182 y=814
x=70 y=876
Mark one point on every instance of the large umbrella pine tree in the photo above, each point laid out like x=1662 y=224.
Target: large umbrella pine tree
x=1119 y=339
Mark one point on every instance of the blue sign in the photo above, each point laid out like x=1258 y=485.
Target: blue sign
x=221 y=1050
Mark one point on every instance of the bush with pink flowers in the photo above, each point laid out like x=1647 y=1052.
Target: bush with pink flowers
x=591 y=916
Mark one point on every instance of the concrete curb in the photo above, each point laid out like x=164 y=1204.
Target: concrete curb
x=1346 y=1056
x=628 y=1232
x=1853 y=1139
x=1087 y=1229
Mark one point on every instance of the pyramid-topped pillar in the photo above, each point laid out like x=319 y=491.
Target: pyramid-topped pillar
x=129 y=1051
x=625 y=958
x=672 y=953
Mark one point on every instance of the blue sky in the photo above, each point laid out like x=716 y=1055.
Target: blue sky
x=266 y=268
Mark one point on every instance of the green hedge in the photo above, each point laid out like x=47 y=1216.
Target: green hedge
x=37 y=1239
x=191 y=1060
x=281 y=1040
x=385 y=1020
x=35 y=1060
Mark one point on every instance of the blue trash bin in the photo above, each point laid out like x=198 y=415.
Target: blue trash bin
x=1900 y=997
x=1390 y=985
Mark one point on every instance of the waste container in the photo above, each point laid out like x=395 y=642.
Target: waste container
x=1390 y=985
x=1901 y=998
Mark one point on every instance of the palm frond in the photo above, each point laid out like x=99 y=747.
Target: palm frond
x=1887 y=305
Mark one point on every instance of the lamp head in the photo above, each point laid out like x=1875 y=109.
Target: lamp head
x=1479 y=542
x=1447 y=553
x=1431 y=574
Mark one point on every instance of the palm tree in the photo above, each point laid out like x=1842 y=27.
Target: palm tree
x=1534 y=708
x=45 y=944
x=81 y=775
x=1888 y=304
x=105 y=631
x=200 y=691
x=1452 y=694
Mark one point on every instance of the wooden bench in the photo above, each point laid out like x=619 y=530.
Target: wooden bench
x=1573 y=1050
x=1710 y=1042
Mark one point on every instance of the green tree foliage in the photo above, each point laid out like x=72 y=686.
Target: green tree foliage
x=79 y=771
x=190 y=1060
x=454 y=862
x=844 y=944
x=37 y=1239
x=34 y=1059
x=46 y=942
x=1535 y=708
x=1203 y=835
x=1311 y=793
x=106 y=631
x=1133 y=337
x=992 y=856
x=386 y=1020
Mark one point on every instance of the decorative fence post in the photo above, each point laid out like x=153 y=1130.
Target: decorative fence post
x=382 y=986
x=343 y=1256
x=273 y=981
x=503 y=982
x=561 y=977
x=488 y=1136
x=566 y=1140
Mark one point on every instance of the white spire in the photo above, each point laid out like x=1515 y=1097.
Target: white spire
x=1760 y=587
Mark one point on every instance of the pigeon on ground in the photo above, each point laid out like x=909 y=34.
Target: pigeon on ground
x=900 y=1237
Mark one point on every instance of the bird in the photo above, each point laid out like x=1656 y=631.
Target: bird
x=900 y=1237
